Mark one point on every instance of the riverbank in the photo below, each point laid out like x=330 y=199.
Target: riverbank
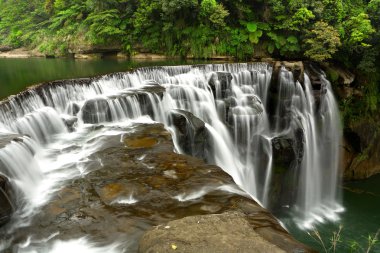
x=93 y=54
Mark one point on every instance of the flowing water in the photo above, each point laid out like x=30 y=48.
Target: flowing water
x=245 y=115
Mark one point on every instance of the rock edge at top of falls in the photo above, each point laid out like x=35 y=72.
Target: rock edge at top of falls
x=142 y=183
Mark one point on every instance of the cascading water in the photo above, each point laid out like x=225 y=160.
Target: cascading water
x=244 y=117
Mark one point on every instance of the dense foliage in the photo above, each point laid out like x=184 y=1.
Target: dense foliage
x=346 y=31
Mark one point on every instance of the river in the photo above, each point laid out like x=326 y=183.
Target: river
x=361 y=199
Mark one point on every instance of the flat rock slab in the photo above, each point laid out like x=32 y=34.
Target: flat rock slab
x=226 y=232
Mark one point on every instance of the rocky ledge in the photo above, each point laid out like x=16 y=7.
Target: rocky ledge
x=138 y=192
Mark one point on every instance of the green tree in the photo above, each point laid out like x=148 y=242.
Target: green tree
x=321 y=42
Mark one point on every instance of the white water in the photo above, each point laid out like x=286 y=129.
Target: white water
x=245 y=152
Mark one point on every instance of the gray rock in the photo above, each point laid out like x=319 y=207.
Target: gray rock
x=192 y=133
x=223 y=80
x=96 y=111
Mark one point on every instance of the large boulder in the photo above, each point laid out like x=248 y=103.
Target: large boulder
x=191 y=132
x=6 y=207
x=226 y=232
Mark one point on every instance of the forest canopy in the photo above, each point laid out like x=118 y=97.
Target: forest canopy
x=317 y=30
x=346 y=32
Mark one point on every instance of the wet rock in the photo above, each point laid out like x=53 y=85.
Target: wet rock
x=220 y=83
x=226 y=232
x=70 y=122
x=191 y=132
x=288 y=151
x=297 y=68
x=6 y=205
x=148 y=97
x=72 y=109
x=96 y=110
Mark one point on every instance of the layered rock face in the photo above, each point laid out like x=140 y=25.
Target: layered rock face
x=360 y=146
x=361 y=150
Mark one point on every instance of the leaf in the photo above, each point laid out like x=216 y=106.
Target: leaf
x=252 y=27
x=271 y=48
x=281 y=40
x=263 y=26
x=254 y=37
x=272 y=35
x=292 y=39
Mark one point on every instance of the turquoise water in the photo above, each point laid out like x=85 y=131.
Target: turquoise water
x=361 y=218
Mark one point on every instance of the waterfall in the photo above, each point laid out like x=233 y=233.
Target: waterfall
x=249 y=120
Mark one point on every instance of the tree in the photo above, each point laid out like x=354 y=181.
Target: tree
x=358 y=31
x=321 y=42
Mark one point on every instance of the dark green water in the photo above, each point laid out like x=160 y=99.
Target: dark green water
x=361 y=218
x=17 y=74
x=361 y=199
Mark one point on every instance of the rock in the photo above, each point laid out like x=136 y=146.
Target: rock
x=6 y=206
x=297 y=68
x=72 y=109
x=337 y=74
x=220 y=83
x=361 y=150
x=287 y=156
x=88 y=56
x=149 y=56
x=191 y=132
x=96 y=110
x=70 y=122
x=226 y=232
x=5 y=48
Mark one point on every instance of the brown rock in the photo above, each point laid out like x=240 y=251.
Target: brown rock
x=226 y=232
